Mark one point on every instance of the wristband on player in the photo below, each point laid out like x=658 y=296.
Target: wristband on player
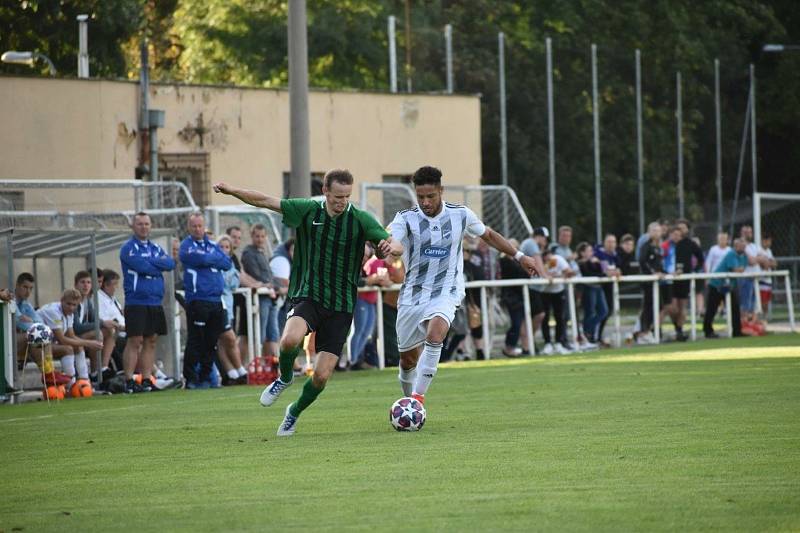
x=519 y=255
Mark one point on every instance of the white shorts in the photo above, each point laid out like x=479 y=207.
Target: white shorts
x=412 y=321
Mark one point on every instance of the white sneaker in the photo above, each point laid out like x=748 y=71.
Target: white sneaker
x=560 y=350
x=289 y=424
x=272 y=392
x=587 y=346
x=548 y=349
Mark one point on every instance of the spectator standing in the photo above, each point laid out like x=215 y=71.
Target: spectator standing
x=688 y=259
x=595 y=307
x=206 y=319
x=651 y=262
x=747 y=296
x=532 y=247
x=143 y=264
x=365 y=312
x=553 y=300
x=281 y=267
x=59 y=317
x=734 y=261
x=255 y=261
x=717 y=252
x=473 y=271
x=626 y=257
x=512 y=299
x=239 y=324
x=767 y=263
x=228 y=349
x=609 y=262
x=397 y=274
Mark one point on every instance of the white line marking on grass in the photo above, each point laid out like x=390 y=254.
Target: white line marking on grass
x=125 y=408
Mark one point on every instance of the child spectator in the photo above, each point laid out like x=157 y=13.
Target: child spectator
x=227 y=347
x=595 y=307
x=767 y=263
x=734 y=261
x=607 y=254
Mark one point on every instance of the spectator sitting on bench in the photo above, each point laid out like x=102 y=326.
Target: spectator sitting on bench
x=59 y=317
x=112 y=321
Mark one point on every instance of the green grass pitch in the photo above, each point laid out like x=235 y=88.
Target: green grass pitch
x=701 y=436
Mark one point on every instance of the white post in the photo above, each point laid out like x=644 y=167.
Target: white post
x=617 y=324
x=256 y=325
x=379 y=340
x=789 y=303
x=758 y=308
x=693 y=308
x=392 y=55
x=248 y=310
x=83 y=46
x=753 y=144
x=656 y=317
x=728 y=317
x=10 y=350
x=487 y=339
x=757 y=218
x=526 y=299
x=573 y=315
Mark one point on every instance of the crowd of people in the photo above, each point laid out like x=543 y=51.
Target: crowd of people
x=209 y=272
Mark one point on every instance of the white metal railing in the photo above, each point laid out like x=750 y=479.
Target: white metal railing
x=253 y=312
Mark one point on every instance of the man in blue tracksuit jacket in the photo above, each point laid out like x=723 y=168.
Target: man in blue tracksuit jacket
x=143 y=263
x=206 y=319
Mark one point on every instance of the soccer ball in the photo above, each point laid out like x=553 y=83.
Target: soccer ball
x=53 y=392
x=407 y=414
x=39 y=334
x=81 y=389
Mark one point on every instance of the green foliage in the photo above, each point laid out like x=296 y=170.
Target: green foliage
x=244 y=42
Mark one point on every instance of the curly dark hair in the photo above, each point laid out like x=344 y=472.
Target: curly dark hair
x=427 y=176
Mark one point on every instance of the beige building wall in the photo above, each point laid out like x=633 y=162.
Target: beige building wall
x=73 y=129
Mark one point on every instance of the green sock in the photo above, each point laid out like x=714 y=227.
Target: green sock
x=307 y=397
x=286 y=363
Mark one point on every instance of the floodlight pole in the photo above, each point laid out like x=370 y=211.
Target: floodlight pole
x=501 y=60
x=753 y=147
x=551 y=140
x=639 y=144
x=392 y=54
x=448 y=50
x=300 y=181
x=83 y=46
x=718 y=124
x=679 y=141
x=596 y=127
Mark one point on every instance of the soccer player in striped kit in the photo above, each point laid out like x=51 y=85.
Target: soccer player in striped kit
x=431 y=234
x=329 y=247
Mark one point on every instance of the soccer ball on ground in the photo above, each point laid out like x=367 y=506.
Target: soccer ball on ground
x=407 y=414
x=39 y=334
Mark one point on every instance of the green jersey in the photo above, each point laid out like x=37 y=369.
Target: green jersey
x=328 y=251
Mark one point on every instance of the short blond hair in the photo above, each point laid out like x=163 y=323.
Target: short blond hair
x=71 y=295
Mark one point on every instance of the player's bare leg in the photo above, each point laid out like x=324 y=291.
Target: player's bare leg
x=291 y=344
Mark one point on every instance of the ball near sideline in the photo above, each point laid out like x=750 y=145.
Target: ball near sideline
x=407 y=414
x=81 y=389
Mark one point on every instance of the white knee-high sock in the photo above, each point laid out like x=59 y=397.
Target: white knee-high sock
x=407 y=378
x=428 y=365
x=68 y=365
x=81 y=368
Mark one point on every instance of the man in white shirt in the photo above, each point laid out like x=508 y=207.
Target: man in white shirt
x=112 y=319
x=717 y=252
x=59 y=316
x=432 y=233
x=747 y=295
x=766 y=262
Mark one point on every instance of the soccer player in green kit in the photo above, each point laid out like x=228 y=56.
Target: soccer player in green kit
x=329 y=246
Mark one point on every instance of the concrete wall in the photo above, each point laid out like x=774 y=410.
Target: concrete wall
x=69 y=129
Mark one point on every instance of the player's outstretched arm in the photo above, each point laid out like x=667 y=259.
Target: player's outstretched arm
x=248 y=196
x=532 y=265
